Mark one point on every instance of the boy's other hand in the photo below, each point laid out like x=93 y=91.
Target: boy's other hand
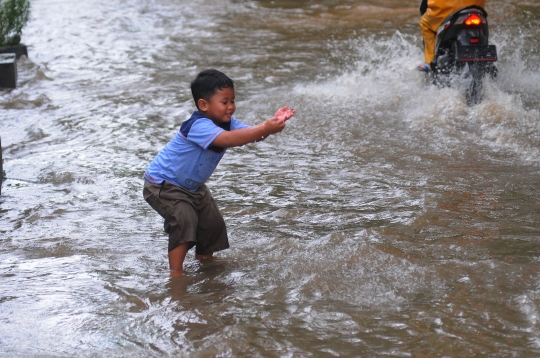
x=284 y=113
x=277 y=123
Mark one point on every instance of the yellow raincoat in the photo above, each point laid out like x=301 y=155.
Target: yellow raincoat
x=437 y=11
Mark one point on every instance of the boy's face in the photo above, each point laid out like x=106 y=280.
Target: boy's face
x=221 y=106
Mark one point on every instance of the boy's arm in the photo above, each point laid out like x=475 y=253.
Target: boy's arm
x=238 y=137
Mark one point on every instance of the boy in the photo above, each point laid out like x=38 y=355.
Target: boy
x=174 y=180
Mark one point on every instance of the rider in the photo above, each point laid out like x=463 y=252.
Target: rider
x=433 y=14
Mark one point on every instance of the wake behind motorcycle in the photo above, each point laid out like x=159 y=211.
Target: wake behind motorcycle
x=462 y=49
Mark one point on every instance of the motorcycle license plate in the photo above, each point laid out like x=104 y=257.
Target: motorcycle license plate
x=477 y=53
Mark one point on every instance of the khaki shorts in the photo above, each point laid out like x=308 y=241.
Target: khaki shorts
x=189 y=217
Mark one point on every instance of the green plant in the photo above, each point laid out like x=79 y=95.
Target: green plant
x=13 y=16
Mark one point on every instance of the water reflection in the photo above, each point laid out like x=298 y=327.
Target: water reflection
x=203 y=280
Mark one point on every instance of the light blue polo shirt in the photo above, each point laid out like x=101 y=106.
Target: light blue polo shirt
x=189 y=158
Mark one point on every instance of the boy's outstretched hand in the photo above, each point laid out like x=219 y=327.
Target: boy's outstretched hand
x=277 y=123
x=284 y=113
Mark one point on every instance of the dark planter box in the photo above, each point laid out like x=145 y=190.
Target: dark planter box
x=8 y=70
x=19 y=50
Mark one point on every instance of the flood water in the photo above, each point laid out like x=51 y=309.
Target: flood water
x=389 y=219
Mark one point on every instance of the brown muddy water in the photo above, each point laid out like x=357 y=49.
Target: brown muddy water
x=389 y=219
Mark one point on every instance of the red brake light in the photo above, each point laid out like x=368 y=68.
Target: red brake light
x=473 y=20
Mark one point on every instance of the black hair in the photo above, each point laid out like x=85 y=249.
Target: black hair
x=207 y=83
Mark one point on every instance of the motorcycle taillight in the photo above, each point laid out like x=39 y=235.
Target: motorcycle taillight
x=473 y=20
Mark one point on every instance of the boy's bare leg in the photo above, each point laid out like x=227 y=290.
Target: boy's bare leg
x=176 y=259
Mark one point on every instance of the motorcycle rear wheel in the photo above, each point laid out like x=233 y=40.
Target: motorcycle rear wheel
x=474 y=93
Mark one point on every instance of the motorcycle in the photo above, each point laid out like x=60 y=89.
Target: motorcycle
x=462 y=49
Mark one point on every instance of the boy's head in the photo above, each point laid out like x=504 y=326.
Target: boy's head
x=207 y=83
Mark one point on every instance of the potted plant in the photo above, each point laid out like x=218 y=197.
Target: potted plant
x=13 y=17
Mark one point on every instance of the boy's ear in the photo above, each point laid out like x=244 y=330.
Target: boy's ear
x=202 y=104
